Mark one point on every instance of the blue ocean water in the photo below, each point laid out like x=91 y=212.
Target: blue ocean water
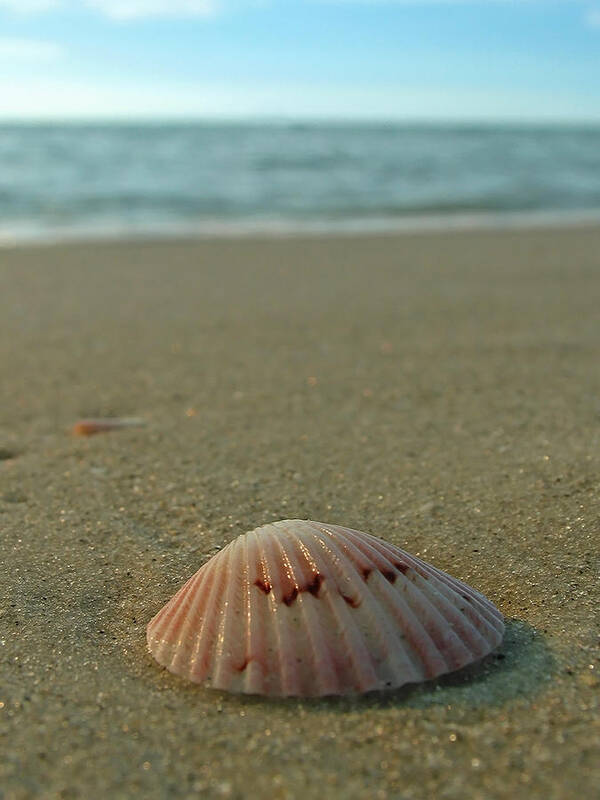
x=63 y=180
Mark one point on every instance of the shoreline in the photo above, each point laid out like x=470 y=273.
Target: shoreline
x=294 y=229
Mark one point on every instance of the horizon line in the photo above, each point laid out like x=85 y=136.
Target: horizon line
x=277 y=119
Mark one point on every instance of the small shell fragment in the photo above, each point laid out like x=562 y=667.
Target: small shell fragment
x=89 y=427
x=301 y=608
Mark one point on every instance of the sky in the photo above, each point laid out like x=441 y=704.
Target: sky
x=413 y=60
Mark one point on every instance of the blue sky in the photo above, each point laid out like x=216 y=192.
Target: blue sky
x=413 y=60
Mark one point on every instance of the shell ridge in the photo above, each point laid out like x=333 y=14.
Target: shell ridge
x=485 y=607
x=164 y=611
x=385 y=548
x=172 y=632
x=201 y=652
x=478 y=631
x=329 y=544
x=487 y=613
x=424 y=569
x=370 y=612
x=167 y=617
x=186 y=590
x=224 y=661
x=298 y=579
x=459 y=586
x=400 y=601
x=477 y=628
x=220 y=609
x=438 y=626
x=248 y=673
x=257 y=629
x=373 y=542
x=422 y=643
x=368 y=550
x=355 y=667
x=265 y=545
x=343 y=614
x=341 y=548
x=260 y=629
x=391 y=552
x=292 y=681
x=461 y=630
x=391 y=640
x=319 y=652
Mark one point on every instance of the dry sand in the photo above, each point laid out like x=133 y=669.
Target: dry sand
x=442 y=391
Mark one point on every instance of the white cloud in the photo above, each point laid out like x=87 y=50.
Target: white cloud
x=446 y=2
x=136 y=9
x=593 y=18
x=13 y=49
x=29 y=6
x=139 y=9
x=118 y=9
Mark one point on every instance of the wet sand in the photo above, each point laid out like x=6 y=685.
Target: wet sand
x=441 y=391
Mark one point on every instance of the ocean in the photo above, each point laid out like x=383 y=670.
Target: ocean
x=61 y=181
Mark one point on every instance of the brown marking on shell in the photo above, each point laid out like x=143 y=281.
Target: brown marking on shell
x=291 y=596
x=401 y=567
x=389 y=575
x=467 y=598
x=264 y=586
x=315 y=585
x=366 y=571
x=243 y=666
x=353 y=602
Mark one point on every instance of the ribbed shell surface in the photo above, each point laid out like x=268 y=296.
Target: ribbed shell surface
x=306 y=609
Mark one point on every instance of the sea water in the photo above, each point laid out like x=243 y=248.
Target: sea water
x=67 y=180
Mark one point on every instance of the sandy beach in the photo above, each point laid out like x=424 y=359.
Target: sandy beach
x=439 y=390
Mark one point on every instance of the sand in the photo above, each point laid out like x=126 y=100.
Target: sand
x=441 y=390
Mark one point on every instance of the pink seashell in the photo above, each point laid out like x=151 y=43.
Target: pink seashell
x=89 y=427
x=308 y=609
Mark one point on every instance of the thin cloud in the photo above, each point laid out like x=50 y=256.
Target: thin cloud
x=118 y=9
x=593 y=18
x=123 y=10
x=444 y=2
x=138 y=9
x=14 y=49
x=29 y=6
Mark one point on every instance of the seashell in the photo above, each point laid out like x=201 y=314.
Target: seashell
x=306 y=609
x=88 y=427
